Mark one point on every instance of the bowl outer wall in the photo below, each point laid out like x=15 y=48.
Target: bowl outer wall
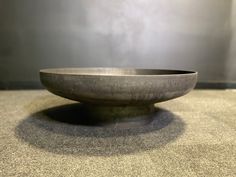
x=119 y=89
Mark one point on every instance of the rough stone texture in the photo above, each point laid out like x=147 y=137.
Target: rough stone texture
x=194 y=135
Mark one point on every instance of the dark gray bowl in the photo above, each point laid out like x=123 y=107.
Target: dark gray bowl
x=118 y=90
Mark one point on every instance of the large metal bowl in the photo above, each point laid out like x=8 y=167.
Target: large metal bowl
x=117 y=90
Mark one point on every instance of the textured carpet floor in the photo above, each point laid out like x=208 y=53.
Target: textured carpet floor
x=194 y=135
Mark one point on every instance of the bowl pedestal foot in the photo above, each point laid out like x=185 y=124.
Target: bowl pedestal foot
x=120 y=116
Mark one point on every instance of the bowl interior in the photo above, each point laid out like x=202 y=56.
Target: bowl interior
x=114 y=71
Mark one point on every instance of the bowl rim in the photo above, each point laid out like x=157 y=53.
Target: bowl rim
x=57 y=72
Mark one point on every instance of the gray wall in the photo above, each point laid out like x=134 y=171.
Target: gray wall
x=176 y=34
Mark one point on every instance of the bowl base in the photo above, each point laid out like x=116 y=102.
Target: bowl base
x=120 y=116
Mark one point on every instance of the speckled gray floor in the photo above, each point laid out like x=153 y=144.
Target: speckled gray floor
x=44 y=135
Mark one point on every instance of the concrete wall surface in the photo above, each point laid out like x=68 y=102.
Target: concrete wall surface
x=175 y=34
